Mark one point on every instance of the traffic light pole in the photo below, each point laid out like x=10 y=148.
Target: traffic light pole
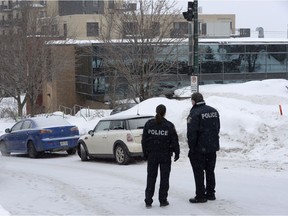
x=196 y=59
x=191 y=15
x=191 y=48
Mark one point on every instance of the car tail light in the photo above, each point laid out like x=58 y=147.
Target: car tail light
x=45 y=131
x=74 y=129
x=129 y=137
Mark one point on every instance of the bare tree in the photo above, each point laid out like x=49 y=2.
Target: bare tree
x=26 y=62
x=144 y=53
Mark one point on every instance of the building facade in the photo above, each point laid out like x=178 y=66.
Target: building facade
x=85 y=19
x=220 y=61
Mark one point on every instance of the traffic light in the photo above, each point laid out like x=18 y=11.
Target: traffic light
x=189 y=15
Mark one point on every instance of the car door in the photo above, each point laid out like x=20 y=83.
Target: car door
x=116 y=132
x=23 y=135
x=97 y=140
x=12 y=138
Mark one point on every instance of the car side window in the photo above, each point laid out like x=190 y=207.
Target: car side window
x=117 y=125
x=26 y=125
x=17 y=126
x=104 y=125
x=137 y=123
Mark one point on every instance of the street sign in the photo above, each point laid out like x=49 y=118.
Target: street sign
x=194 y=83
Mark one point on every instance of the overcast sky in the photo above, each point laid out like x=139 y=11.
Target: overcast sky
x=272 y=15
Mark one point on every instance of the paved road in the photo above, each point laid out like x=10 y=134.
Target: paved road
x=63 y=185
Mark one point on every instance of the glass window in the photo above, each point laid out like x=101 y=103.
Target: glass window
x=92 y=29
x=279 y=58
x=95 y=3
x=99 y=85
x=17 y=126
x=277 y=48
x=27 y=125
x=117 y=125
x=179 y=29
x=255 y=48
x=130 y=28
x=111 y=4
x=276 y=62
x=138 y=123
x=103 y=125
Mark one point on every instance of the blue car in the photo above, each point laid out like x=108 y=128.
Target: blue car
x=37 y=135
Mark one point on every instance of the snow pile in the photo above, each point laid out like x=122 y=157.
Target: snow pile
x=252 y=127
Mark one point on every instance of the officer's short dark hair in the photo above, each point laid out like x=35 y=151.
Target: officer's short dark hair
x=160 y=113
x=197 y=97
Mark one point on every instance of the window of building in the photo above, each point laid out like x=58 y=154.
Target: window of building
x=129 y=29
x=95 y=3
x=43 y=2
x=65 y=29
x=153 y=30
x=98 y=6
x=54 y=30
x=111 y=4
x=179 y=29
x=204 y=29
x=42 y=14
x=83 y=3
x=156 y=28
x=92 y=29
x=45 y=30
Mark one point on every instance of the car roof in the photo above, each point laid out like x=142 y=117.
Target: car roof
x=48 y=121
x=124 y=117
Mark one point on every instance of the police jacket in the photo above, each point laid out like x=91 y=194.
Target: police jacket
x=159 y=138
x=203 y=126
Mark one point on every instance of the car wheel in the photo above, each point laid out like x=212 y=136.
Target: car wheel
x=121 y=155
x=83 y=153
x=32 y=153
x=71 y=151
x=3 y=149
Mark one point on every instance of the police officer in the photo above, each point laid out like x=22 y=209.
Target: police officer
x=159 y=141
x=203 y=126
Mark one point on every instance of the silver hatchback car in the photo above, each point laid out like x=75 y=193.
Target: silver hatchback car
x=117 y=137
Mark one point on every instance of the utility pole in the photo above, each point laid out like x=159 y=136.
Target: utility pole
x=191 y=15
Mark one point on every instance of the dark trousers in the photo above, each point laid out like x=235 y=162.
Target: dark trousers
x=203 y=165
x=154 y=161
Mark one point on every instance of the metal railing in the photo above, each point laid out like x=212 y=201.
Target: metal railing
x=84 y=111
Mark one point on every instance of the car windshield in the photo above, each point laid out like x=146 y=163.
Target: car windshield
x=138 y=123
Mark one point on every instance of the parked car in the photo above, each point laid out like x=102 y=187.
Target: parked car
x=122 y=107
x=117 y=137
x=40 y=134
x=165 y=89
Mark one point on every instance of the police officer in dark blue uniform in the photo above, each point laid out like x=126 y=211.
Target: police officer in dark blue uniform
x=159 y=141
x=203 y=126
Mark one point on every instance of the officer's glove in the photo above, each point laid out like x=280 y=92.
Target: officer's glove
x=176 y=157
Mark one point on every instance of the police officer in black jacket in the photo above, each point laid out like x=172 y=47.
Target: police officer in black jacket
x=203 y=126
x=159 y=141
